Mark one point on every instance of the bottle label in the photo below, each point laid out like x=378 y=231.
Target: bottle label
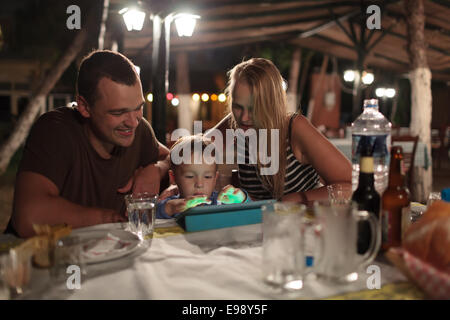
x=366 y=165
x=406 y=219
x=385 y=226
x=377 y=143
x=402 y=167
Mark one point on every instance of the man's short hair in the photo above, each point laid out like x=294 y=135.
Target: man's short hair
x=198 y=140
x=103 y=63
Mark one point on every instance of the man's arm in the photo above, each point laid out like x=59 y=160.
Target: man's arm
x=148 y=179
x=37 y=201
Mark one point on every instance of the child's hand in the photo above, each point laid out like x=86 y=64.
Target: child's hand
x=230 y=194
x=175 y=206
x=180 y=205
x=194 y=201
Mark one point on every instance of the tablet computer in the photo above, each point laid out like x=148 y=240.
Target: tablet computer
x=221 y=216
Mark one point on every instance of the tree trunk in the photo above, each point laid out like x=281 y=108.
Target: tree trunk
x=293 y=80
x=420 y=78
x=32 y=109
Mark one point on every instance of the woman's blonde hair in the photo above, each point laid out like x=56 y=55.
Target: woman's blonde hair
x=269 y=110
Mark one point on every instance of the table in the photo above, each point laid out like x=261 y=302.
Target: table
x=221 y=264
x=420 y=159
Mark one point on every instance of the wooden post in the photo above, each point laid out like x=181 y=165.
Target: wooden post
x=293 y=80
x=357 y=88
x=185 y=117
x=101 y=35
x=318 y=87
x=160 y=75
x=420 y=78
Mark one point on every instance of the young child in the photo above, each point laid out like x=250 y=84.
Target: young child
x=195 y=181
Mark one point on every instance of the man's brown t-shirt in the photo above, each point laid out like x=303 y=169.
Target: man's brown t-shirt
x=59 y=149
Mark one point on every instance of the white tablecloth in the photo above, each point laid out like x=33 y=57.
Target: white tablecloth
x=216 y=264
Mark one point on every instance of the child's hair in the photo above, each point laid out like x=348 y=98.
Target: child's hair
x=196 y=142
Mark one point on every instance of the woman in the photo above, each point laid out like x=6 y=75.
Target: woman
x=257 y=100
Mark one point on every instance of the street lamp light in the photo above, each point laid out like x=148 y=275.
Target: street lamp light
x=185 y=24
x=133 y=17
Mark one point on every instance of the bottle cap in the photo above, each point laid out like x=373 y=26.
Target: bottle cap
x=445 y=194
x=397 y=152
x=371 y=103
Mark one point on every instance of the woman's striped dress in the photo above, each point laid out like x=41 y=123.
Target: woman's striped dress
x=299 y=177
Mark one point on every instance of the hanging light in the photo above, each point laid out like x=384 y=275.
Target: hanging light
x=349 y=75
x=222 y=97
x=175 y=102
x=390 y=92
x=150 y=97
x=134 y=18
x=196 y=97
x=367 y=77
x=380 y=92
x=205 y=97
x=138 y=69
x=185 y=23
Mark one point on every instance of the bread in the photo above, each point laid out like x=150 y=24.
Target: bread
x=43 y=255
x=40 y=246
x=429 y=238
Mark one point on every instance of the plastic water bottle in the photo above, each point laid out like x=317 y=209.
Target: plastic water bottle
x=372 y=129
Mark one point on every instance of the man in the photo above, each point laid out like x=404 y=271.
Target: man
x=79 y=162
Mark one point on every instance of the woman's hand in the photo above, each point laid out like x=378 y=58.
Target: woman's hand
x=230 y=194
x=298 y=197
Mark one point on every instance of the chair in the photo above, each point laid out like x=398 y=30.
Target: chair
x=408 y=156
x=440 y=145
x=395 y=129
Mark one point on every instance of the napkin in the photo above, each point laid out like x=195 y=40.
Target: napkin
x=104 y=246
x=434 y=282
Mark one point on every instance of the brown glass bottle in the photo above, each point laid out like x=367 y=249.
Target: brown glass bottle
x=366 y=196
x=395 y=203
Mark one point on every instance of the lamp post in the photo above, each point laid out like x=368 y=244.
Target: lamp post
x=185 y=24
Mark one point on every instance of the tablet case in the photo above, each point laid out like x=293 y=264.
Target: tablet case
x=221 y=216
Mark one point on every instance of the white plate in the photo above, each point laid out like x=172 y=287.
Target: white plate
x=106 y=245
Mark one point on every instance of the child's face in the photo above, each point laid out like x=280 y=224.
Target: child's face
x=196 y=179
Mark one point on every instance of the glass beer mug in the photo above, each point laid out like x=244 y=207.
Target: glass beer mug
x=340 y=260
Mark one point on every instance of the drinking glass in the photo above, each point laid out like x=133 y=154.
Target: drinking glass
x=15 y=269
x=284 y=226
x=4 y=289
x=432 y=197
x=340 y=260
x=339 y=193
x=67 y=252
x=141 y=210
